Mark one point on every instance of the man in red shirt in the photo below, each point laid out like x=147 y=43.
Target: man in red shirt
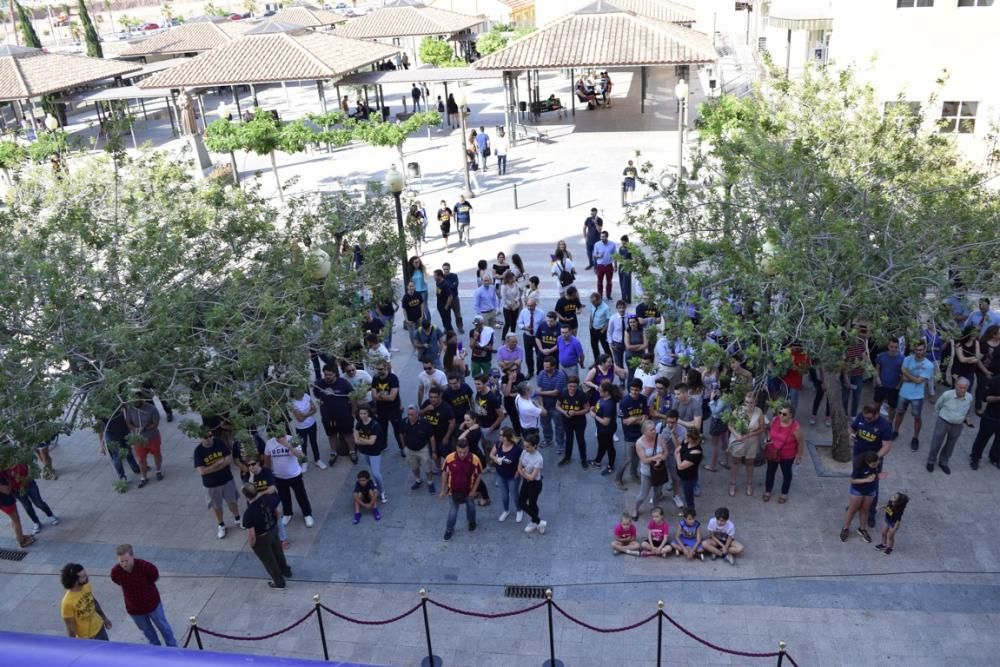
x=459 y=479
x=137 y=578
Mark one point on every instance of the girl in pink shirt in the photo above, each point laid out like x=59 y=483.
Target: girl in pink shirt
x=657 y=542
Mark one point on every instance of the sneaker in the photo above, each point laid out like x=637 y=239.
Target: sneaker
x=447 y=534
x=714 y=557
x=472 y=526
x=607 y=471
x=541 y=526
x=36 y=528
x=812 y=421
x=416 y=485
x=53 y=521
x=170 y=417
x=430 y=487
x=333 y=459
x=377 y=514
x=697 y=489
x=620 y=485
x=879 y=547
x=287 y=519
x=503 y=516
x=221 y=532
x=275 y=586
x=678 y=501
x=595 y=464
x=353 y=456
x=827 y=422
x=930 y=467
x=974 y=464
x=843 y=535
x=305 y=466
x=730 y=559
x=357 y=518
x=888 y=550
x=945 y=469
x=914 y=444
x=563 y=462
x=895 y=435
x=531 y=527
x=159 y=475
x=143 y=482
x=702 y=556
x=669 y=486
x=519 y=516
x=237 y=522
x=321 y=465
x=864 y=535
x=309 y=522
x=383 y=499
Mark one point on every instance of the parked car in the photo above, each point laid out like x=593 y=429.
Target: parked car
x=269 y=12
x=145 y=27
x=235 y=17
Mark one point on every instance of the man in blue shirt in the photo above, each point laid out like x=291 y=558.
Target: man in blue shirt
x=463 y=216
x=451 y=279
x=918 y=373
x=604 y=259
x=983 y=318
x=570 y=353
x=551 y=383
x=871 y=432
x=547 y=338
x=633 y=410
x=888 y=376
x=485 y=302
x=600 y=317
x=483 y=146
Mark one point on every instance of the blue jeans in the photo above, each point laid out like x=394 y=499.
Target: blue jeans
x=388 y=321
x=553 y=419
x=852 y=391
x=32 y=499
x=375 y=465
x=509 y=487
x=157 y=618
x=115 y=450
x=793 y=400
x=470 y=511
x=502 y=164
x=427 y=308
x=625 y=284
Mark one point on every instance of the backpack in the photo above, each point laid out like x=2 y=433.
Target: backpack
x=565 y=277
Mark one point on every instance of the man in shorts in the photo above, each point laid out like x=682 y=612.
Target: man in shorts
x=211 y=460
x=444 y=220
x=418 y=441
x=918 y=374
x=8 y=505
x=143 y=420
x=629 y=174
x=463 y=216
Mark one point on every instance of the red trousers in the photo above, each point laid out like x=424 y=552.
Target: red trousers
x=604 y=274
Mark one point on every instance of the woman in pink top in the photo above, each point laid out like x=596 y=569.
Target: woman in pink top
x=784 y=447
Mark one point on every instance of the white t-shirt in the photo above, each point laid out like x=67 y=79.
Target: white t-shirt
x=284 y=461
x=437 y=377
x=648 y=379
x=721 y=530
x=531 y=461
x=527 y=412
x=302 y=405
x=361 y=377
x=374 y=355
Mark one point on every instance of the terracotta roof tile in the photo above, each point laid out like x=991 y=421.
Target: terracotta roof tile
x=310 y=17
x=298 y=55
x=604 y=39
x=188 y=38
x=407 y=21
x=661 y=10
x=31 y=72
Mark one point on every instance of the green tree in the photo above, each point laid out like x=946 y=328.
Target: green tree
x=821 y=211
x=213 y=10
x=223 y=136
x=394 y=135
x=490 y=42
x=12 y=156
x=129 y=23
x=94 y=48
x=434 y=51
x=26 y=28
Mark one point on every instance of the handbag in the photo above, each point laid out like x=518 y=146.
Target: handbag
x=658 y=474
x=772 y=453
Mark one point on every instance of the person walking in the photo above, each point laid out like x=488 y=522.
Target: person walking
x=459 y=479
x=989 y=426
x=629 y=174
x=137 y=578
x=652 y=465
x=283 y=459
x=624 y=274
x=261 y=523
x=784 y=447
x=604 y=263
x=452 y=107
x=416 y=94
x=483 y=147
x=463 y=219
x=451 y=279
x=501 y=146
x=143 y=420
x=600 y=319
x=571 y=357
x=29 y=495
x=113 y=435
x=952 y=409
x=80 y=610
x=333 y=393
x=529 y=469
x=212 y=461
x=574 y=406
x=445 y=299
x=505 y=456
x=592 y=228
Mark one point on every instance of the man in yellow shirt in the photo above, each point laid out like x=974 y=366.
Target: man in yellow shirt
x=80 y=610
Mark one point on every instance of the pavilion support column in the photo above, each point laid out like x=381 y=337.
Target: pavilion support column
x=34 y=126
x=145 y=116
x=19 y=114
x=170 y=116
x=538 y=98
x=337 y=88
x=642 y=89
x=288 y=100
x=446 y=114
x=131 y=127
x=788 y=53
x=322 y=96
x=507 y=104
x=236 y=98
x=253 y=95
x=366 y=96
x=572 y=91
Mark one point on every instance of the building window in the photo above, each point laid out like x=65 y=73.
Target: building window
x=958 y=117
x=975 y=3
x=902 y=4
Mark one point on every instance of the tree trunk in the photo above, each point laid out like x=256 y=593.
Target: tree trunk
x=274 y=166
x=236 y=174
x=838 y=415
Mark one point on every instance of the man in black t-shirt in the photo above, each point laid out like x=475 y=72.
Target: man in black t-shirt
x=413 y=310
x=488 y=409
x=442 y=419
x=113 y=435
x=456 y=306
x=444 y=220
x=547 y=338
x=212 y=460
x=458 y=396
x=418 y=440
x=388 y=406
x=261 y=524
x=592 y=228
x=445 y=295
x=989 y=426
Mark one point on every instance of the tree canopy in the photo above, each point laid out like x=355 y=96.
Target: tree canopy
x=816 y=210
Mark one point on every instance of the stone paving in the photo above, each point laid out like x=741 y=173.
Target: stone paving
x=935 y=601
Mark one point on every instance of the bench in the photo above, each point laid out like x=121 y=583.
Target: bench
x=529 y=131
x=547 y=105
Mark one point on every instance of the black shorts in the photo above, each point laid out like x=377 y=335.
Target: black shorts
x=888 y=395
x=445 y=229
x=332 y=424
x=629 y=185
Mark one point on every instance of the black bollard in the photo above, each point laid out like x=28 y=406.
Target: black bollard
x=567 y=196
x=431 y=660
x=515 y=196
x=322 y=630
x=551 y=662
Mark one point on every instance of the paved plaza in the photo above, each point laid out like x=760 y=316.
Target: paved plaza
x=934 y=601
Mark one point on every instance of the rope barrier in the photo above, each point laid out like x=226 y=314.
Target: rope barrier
x=624 y=628
x=259 y=637
x=721 y=649
x=479 y=614
x=358 y=621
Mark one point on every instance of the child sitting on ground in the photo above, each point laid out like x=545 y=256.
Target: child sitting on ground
x=625 y=542
x=893 y=516
x=365 y=496
x=657 y=541
x=688 y=540
x=720 y=542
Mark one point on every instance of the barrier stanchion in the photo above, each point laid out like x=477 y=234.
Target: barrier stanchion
x=322 y=630
x=552 y=662
x=659 y=633
x=781 y=653
x=568 y=205
x=197 y=635
x=515 y=196
x=431 y=660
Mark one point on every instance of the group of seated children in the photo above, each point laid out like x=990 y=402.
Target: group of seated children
x=720 y=541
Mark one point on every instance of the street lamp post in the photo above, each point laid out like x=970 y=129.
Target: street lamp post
x=394 y=183
x=681 y=90
x=465 y=160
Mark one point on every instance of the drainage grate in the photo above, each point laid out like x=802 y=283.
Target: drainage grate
x=524 y=592
x=12 y=554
